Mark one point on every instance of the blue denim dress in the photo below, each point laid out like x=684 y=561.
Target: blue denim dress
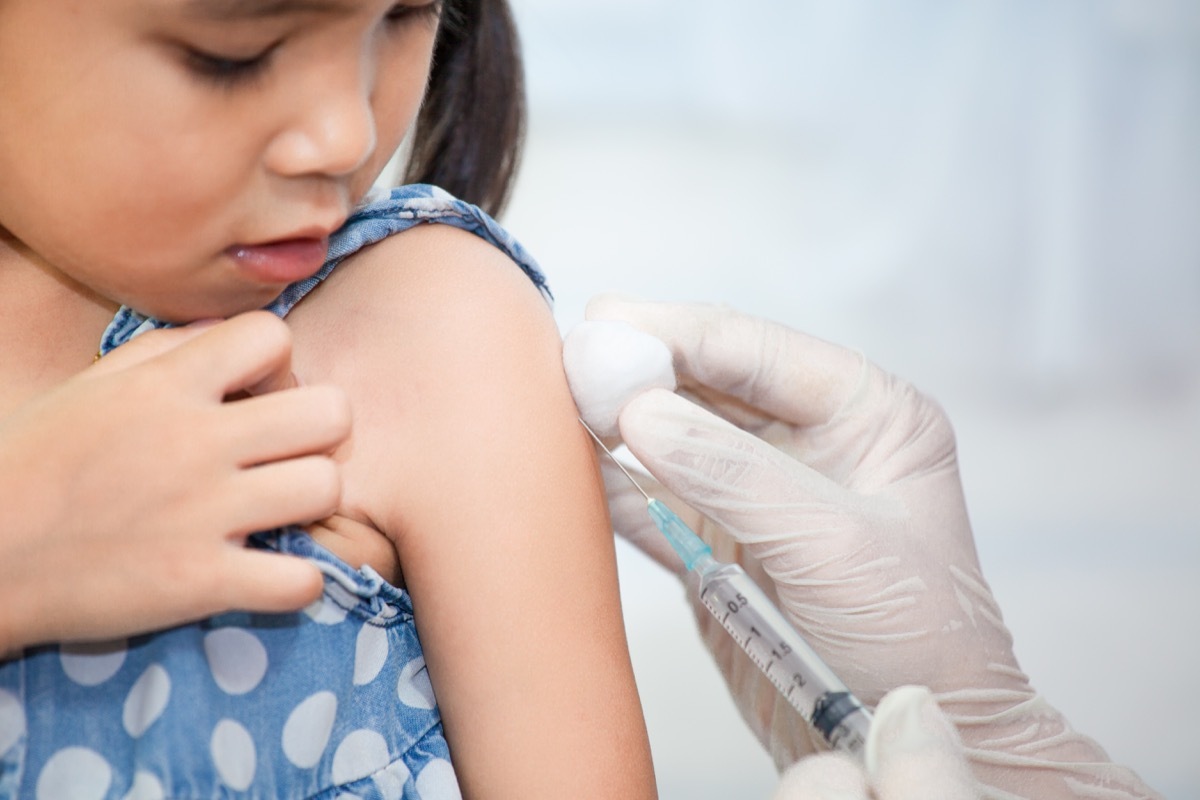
x=332 y=702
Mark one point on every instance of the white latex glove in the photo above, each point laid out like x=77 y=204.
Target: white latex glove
x=913 y=753
x=836 y=486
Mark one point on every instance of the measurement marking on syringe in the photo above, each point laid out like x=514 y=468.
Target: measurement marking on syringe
x=747 y=614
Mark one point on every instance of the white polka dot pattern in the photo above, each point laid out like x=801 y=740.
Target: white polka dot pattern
x=146 y=701
x=233 y=754
x=74 y=773
x=252 y=703
x=145 y=787
x=360 y=754
x=370 y=653
x=92 y=663
x=413 y=688
x=210 y=682
x=237 y=659
x=390 y=782
x=306 y=732
x=12 y=721
x=437 y=781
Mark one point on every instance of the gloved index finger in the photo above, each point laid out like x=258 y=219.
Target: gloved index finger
x=793 y=376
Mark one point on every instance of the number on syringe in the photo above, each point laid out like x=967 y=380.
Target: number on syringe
x=738 y=603
x=783 y=648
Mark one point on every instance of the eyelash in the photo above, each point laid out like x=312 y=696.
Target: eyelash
x=402 y=12
x=228 y=73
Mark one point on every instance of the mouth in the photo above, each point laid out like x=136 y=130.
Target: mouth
x=281 y=261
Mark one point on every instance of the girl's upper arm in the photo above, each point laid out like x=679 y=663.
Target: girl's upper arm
x=470 y=457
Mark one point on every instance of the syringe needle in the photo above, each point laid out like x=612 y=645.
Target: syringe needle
x=683 y=539
x=614 y=460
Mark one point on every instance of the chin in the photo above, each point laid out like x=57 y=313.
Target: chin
x=194 y=310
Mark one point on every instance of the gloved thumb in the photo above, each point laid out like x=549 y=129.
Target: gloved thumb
x=913 y=753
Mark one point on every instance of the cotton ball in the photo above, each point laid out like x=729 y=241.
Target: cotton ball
x=608 y=363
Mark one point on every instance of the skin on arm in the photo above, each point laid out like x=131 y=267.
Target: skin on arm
x=469 y=456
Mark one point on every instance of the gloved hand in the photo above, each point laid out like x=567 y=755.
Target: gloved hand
x=836 y=486
x=913 y=753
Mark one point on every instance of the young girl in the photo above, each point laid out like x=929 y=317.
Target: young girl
x=166 y=161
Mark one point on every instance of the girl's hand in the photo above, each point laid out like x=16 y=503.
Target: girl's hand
x=127 y=492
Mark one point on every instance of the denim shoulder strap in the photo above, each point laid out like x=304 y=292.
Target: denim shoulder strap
x=383 y=214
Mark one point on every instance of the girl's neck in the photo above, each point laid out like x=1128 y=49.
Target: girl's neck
x=50 y=326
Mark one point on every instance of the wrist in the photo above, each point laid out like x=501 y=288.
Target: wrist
x=1019 y=743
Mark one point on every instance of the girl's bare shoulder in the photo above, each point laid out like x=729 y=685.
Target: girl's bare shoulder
x=441 y=342
x=428 y=289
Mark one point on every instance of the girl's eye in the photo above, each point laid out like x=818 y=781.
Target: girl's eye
x=407 y=12
x=229 y=71
x=225 y=71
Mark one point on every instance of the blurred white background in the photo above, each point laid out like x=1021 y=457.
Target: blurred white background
x=998 y=200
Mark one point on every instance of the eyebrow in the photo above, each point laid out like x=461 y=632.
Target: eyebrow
x=256 y=9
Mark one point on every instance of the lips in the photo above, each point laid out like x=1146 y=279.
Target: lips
x=283 y=261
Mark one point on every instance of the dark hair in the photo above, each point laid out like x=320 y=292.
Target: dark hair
x=471 y=126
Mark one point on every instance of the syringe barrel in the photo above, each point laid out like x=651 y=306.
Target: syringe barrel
x=795 y=669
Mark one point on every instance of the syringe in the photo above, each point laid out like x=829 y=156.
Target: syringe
x=759 y=628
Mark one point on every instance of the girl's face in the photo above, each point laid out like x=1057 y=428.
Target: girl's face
x=189 y=157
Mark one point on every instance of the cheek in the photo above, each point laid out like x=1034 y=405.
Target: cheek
x=396 y=99
x=154 y=148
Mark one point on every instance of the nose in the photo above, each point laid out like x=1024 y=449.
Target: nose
x=332 y=130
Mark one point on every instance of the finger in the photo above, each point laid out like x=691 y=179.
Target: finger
x=263 y=581
x=913 y=752
x=718 y=469
x=309 y=420
x=147 y=346
x=829 y=776
x=294 y=492
x=791 y=375
x=250 y=352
